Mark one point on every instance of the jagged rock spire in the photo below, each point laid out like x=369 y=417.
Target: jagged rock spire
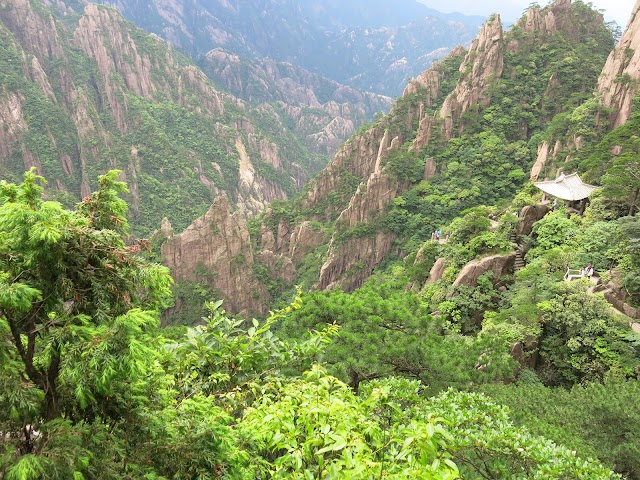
x=620 y=76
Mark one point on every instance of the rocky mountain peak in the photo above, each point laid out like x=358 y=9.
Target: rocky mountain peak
x=546 y=21
x=621 y=74
x=483 y=63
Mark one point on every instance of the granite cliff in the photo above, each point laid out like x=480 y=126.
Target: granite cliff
x=459 y=135
x=85 y=91
x=611 y=106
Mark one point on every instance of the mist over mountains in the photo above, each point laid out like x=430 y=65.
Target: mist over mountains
x=374 y=46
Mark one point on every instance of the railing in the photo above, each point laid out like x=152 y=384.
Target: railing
x=573 y=274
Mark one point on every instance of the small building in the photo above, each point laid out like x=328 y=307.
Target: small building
x=569 y=188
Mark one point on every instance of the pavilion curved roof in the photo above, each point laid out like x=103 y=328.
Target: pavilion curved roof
x=567 y=187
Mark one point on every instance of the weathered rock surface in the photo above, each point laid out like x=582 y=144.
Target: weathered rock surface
x=279 y=266
x=498 y=264
x=483 y=63
x=437 y=270
x=528 y=216
x=358 y=157
x=304 y=239
x=620 y=76
x=350 y=262
x=254 y=192
x=219 y=243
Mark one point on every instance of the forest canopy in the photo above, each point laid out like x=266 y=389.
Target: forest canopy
x=92 y=387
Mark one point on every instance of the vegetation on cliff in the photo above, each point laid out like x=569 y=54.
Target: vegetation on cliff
x=93 y=389
x=464 y=354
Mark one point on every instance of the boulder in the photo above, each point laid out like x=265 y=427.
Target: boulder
x=436 y=271
x=498 y=264
x=530 y=215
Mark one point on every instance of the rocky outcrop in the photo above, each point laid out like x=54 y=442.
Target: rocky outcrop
x=483 y=64
x=437 y=270
x=430 y=168
x=352 y=260
x=216 y=249
x=357 y=158
x=539 y=24
x=498 y=264
x=304 y=239
x=33 y=29
x=615 y=293
x=351 y=263
x=321 y=111
x=279 y=266
x=428 y=86
x=528 y=216
x=620 y=76
x=12 y=123
x=254 y=193
x=276 y=241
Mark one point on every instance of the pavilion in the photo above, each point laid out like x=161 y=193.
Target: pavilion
x=569 y=188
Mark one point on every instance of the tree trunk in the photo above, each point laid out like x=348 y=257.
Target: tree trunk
x=632 y=207
x=50 y=389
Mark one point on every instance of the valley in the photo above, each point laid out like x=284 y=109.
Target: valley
x=267 y=248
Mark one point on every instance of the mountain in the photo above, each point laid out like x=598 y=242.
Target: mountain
x=319 y=111
x=83 y=91
x=464 y=133
x=366 y=45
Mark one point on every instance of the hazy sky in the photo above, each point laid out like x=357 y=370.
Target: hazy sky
x=618 y=10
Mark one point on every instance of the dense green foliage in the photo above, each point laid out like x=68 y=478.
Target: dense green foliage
x=387 y=331
x=598 y=420
x=402 y=378
x=91 y=388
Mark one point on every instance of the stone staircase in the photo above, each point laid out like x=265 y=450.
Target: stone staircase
x=519 y=262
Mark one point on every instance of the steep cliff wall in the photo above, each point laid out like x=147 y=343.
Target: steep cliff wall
x=89 y=92
x=483 y=64
x=621 y=74
x=216 y=249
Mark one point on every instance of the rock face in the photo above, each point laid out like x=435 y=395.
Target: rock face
x=350 y=262
x=216 y=249
x=94 y=93
x=483 y=63
x=498 y=264
x=614 y=292
x=254 y=192
x=621 y=74
x=436 y=271
x=304 y=239
x=321 y=111
x=528 y=216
